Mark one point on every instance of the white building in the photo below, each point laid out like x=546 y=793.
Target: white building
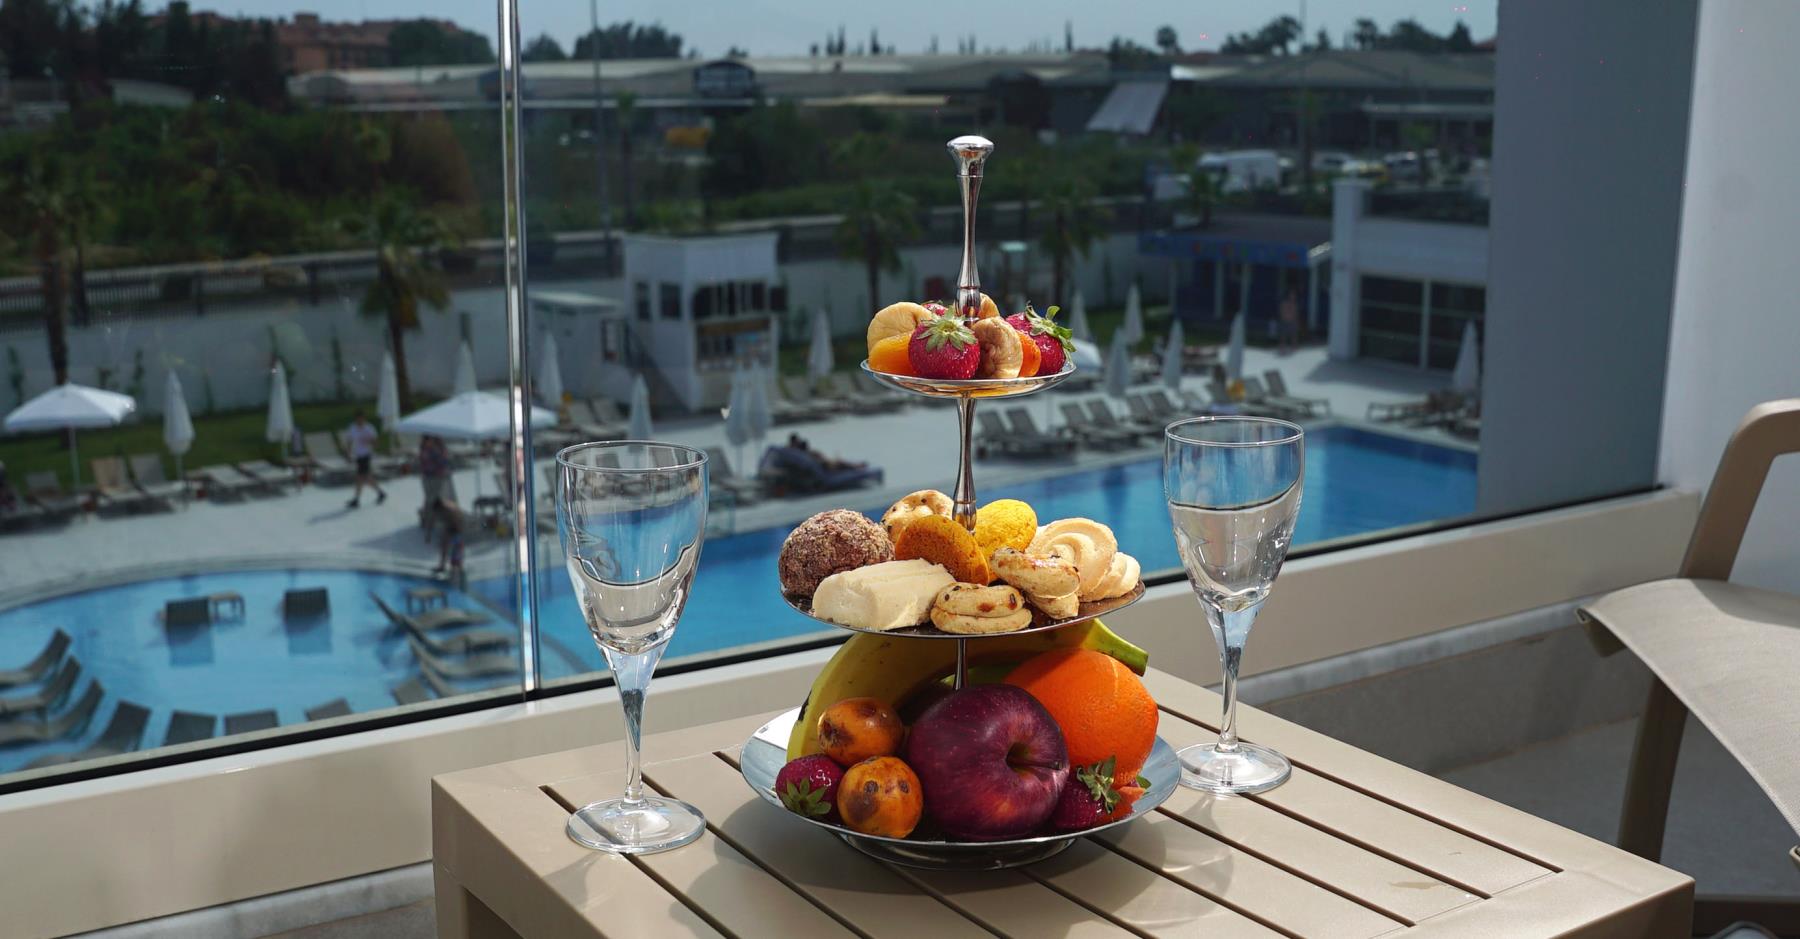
x=698 y=307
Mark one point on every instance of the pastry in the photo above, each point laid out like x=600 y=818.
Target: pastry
x=829 y=542
x=1121 y=578
x=943 y=540
x=1004 y=523
x=1000 y=353
x=1049 y=581
x=1084 y=541
x=889 y=595
x=913 y=506
x=976 y=609
x=898 y=319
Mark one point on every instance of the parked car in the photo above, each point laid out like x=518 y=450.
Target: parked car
x=1405 y=167
x=1241 y=170
x=1331 y=161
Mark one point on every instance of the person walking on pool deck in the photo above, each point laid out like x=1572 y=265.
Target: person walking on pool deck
x=434 y=476
x=361 y=435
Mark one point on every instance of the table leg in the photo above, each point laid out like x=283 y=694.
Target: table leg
x=462 y=915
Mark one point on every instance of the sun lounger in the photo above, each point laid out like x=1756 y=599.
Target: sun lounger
x=872 y=387
x=784 y=411
x=1101 y=414
x=250 y=721
x=413 y=624
x=719 y=472
x=57 y=727
x=1144 y=414
x=19 y=513
x=45 y=491
x=225 y=481
x=268 y=475
x=188 y=611
x=113 y=485
x=1164 y=408
x=798 y=392
x=837 y=387
x=306 y=601
x=1028 y=440
x=584 y=419
x=474 y=666
x=1077 y=423
x=336 y=707
x=147 y=474
x=187 y=727
x=40 y=665
x=329 y=466
x=791 y=469
x=123 y=734
x=50 y=695
x=1258 y=397
x=1278 y=389
x=411 y=691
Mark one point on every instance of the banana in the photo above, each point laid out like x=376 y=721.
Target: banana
x=893 y=668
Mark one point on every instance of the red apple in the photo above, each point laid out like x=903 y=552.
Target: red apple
x=992 y=762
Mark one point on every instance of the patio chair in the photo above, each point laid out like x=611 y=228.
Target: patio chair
x=147 y=474
x=719 y=472
x=269 y=476
x=188 y=611
x=44 y=490
x=1027 y=440
x=336 y=707
x=250 y=722
x=473 y=666
x=224 y=481
x=444 y=617
x=1077 y=422
x=40 y=664
x=1278 y=390
x=410 y=691
x=54 y=728
x=187 y=727
x=329 y=466
x=50 y=695
x=1724 y=652
x=1102 y=416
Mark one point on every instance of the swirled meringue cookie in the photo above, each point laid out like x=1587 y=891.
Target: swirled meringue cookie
x=1087 y=543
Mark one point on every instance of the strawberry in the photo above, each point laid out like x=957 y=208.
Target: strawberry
x=808 y=786
x=944 y=348
x=936 y=307
x=1054 y=341
x=1089 y=798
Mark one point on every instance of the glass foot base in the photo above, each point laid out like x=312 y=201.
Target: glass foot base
x=645 y=827
x=1246 y=769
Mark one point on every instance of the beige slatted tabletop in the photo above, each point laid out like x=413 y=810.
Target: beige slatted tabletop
x=1353 y=846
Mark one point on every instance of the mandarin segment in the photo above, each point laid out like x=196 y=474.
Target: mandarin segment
x=889 y=355
x=942 y=540
x=1103 y=709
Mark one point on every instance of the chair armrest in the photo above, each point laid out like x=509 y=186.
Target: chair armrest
x=1771 y=429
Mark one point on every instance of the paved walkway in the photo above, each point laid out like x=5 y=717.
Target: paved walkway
x=916 y=446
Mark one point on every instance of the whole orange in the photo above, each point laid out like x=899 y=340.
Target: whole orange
x=1103 y=709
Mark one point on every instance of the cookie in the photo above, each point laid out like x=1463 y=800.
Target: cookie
x=1005 y=523
x=978 y=600
x=942 y=540
x=1045 y=575
x=914 y=506
x=981 y=625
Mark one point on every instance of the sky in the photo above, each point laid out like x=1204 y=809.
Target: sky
x=778 y=27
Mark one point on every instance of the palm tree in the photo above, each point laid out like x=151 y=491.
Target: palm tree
x=406 y=242
x=877 y=220
x=1074 y=223
x=50 y=203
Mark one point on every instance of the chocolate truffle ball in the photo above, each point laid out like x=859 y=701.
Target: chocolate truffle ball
x=828 y=543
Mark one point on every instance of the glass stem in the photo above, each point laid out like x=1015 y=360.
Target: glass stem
x=631 y=674
x=1232 y=629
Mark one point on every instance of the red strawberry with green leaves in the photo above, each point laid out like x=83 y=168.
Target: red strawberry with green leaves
x=1054 y=341
x=944 y=348
x=808 y=786
x=1089 y=798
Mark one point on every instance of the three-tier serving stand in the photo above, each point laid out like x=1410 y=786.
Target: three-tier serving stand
x=765 y=752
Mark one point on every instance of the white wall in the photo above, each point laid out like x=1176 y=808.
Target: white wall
x=1590 y=137
x=1736 y=330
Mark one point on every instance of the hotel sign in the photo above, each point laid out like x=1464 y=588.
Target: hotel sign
x=725 y=79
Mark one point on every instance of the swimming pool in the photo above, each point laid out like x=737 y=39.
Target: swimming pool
x=232 y=666
x=1357 y=482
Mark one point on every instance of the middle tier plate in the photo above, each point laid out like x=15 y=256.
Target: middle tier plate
x=1039 y=622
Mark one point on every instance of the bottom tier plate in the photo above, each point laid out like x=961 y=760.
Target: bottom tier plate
x=765 y=753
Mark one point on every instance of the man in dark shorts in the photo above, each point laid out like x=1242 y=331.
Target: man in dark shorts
x=361 y=437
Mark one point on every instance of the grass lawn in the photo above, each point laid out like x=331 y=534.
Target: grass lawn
x=224 y=437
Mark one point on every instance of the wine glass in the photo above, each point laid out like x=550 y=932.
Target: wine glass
x=1233 y=486
x=632 y=516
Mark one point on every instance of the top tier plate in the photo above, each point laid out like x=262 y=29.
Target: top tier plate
x=971 y=387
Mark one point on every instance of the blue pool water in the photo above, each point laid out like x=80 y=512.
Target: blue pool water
x=1356 y=482
x=228 y=667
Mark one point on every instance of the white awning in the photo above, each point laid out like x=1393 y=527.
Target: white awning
x=1130 y=108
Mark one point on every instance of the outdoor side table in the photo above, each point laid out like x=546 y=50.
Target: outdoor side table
x=1352 y=846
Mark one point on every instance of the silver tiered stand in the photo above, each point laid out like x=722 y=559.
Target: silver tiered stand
x=765 y=752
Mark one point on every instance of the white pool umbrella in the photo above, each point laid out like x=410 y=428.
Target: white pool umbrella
x=387 y=395
x=1077 y=319
x=178 y=426
x=549 y=374
x=280 y=426
x=818 y=357
x=639 y=420
x=1086 y=354
x=1118 y=366
x=1134 y=316
x=737 y=415
x=71 y=407
x=472 y=415
x=465 y=371
x=757 y=406
x=1467 y=376
x=1172 y=357
x=1234 y=352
